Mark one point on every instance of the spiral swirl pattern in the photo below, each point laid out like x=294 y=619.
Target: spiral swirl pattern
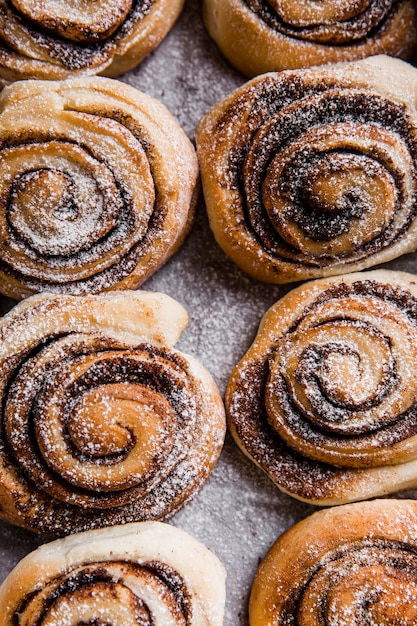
x=352 y=565
x=100 y=426
x=259 y=36
x=51 y=40
x=149 y=574
x=312 y=173
x=96 y=186
x=325 y=400
x=333 y=23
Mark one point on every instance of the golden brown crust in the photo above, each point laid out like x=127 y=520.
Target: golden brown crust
x=148 y=573
x=313 y=172
x=325 y=399
x=97 y=186
x=52 y=41
x=103 y=421
x=354 y=564
x=258 y=36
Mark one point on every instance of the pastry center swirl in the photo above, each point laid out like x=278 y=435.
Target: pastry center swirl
x=68 y=212
x=118 y=593
x=78 y=21
x=60 y=213
x=329 y=22
x=331 y=175
x=90 y=421
x=311 y=12
x=361 y=583
x=341 y=385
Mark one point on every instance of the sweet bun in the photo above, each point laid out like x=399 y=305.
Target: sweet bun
x=354 y=564
x=103 y=421
x=148 y=573
x=325 y=399
x=97 y=186
x=53 y=40
x=259 y=36
x=312 y=172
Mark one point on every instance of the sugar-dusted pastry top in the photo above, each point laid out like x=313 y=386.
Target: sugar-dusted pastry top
x=310 y=173
x=325 y=399
x=145 y=573
x=103 y=421
x=97 y=186
x=353 y=564
x=52 y=40
x=259 y=36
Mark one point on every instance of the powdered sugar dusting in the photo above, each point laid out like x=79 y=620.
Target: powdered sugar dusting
x=238 y=513
x=163 y=425
x=98 y=195
x=52 y=41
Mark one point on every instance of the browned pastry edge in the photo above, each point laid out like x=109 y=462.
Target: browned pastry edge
x=80 y=213
x=311 y=173
x=296 y=472
x=66 y=361
x=255 y=41
x=49 y=46
x=346 y=565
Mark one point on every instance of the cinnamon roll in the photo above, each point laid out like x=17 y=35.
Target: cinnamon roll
x=150 y=574
x=349 y=565
x=312 y=172
x=97 y=186
x=54 y=40
x=103 y=421
x=325 y=400
x=259 y=36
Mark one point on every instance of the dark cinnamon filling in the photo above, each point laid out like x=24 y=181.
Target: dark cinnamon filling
x=343 y=32
x=59 y=41
x=110 y=581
